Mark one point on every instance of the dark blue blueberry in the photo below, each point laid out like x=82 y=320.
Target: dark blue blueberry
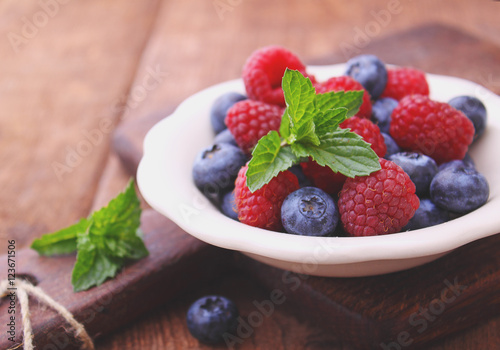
x=474 y=109
x=456 y=163
x=228 y=206
x=370 y=72
x=225 y=136
x=460 y=189
x=419 y=167
x=427 y=214
x=381 y=112
x=392 y=146
x=303 y=180
x=469 y=161
x=309 y=211
x=210 y=317
x=215 y=169
x=220 y=107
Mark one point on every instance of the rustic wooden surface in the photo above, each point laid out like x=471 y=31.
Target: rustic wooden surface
x=85 y=67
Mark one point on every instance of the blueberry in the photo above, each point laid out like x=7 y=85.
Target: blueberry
x=474 y=109
x=427 y=214
x=419 y=167
x=215 y=169
x=220 y=107
x=225 y=136
x=210 y=317
x=469 y=161
x=228 y=207
x=459 y=188
x=392 y=146
x=381 y=112
x=309 y=211
x=370 y=72
x=303 y=180
x=456 y=163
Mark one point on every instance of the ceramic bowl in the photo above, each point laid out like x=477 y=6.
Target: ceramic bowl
x=164 y=179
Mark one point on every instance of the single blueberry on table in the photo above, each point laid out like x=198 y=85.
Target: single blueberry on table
x=428 y=214
x=225 y=136
x=220 y=107
x=309 y=211
x=381 y=112
x=215 y=169
x=473 y=109
x=392 y=146
x=370 y=72
x=420 y=168
x=210 y=317
x=460 y=189
x=228 y=206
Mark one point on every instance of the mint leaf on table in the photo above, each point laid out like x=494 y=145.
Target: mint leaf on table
x=104 y=242
x=310 y=129
x=60 y=242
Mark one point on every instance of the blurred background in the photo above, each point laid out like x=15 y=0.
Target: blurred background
x=72 y=71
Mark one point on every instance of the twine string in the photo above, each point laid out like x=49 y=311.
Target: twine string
x=23 y=290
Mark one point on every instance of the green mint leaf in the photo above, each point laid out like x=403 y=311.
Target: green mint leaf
x=93 y=266
x=334 y=99
x=343 y=151
x=60 y=242
x=269 y=158
x=285 y=125
x=115 y=226
x=329 y=120
x=299 y=97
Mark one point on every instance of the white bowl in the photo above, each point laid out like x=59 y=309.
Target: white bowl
x=164 y=179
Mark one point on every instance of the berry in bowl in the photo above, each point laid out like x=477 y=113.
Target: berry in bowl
x=323 y=174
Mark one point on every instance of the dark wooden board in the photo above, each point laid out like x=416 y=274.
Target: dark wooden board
x=177 y=263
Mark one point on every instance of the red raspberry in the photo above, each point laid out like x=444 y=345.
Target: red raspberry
x=369 y=131
x=323 y=177
x=346 y=83
x=405 y=81
x=249 y=120
x=263 y=72
x=380 y=203
x=262 y=208
x=433 y=128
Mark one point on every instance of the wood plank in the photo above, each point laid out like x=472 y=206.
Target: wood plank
x=58 y=95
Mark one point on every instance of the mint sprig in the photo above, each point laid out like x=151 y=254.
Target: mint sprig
x=104 y=241
x=310 y=129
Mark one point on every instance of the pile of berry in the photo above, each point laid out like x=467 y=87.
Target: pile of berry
x=426 y=176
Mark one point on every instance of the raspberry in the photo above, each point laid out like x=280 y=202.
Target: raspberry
x=323 y=177
x=380 y=203
x=264 y=70
x=405 y=81
x=345 y=83
x=368 y=131
x=433 y=128
x=262 y=208
x=249 y=120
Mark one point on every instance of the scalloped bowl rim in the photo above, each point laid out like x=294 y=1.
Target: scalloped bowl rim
x=164 y=179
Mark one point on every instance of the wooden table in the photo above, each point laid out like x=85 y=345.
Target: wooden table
x=71 y=71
